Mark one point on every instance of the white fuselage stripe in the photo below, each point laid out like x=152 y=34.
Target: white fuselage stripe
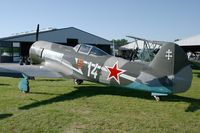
x=122 y=75
x=128 y=77
x=73 y=68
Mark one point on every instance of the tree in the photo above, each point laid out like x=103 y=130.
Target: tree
x=119 y=42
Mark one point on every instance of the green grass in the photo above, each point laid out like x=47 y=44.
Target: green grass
x=60 y=106
x=195 y=64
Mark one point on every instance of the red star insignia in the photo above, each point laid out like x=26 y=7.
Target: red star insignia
x=114 y=72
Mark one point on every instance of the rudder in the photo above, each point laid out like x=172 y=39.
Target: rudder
x=172 y=61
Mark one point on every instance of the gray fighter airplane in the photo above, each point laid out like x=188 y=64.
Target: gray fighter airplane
x=168 y=73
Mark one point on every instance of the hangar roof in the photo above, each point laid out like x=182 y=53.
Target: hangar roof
x=60 y=36
x=191 y=41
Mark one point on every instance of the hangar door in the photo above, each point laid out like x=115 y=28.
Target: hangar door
x=24 y=48
x=6 y=52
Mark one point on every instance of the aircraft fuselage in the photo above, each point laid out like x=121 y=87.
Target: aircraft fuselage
x=102 y=68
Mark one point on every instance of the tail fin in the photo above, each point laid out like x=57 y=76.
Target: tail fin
x=172 y=61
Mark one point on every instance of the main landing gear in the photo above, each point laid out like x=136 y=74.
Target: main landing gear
x=78 y=81
x=24 y=84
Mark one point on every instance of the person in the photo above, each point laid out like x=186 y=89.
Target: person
x=21 y=61
x=27 y=61
x=134 y=54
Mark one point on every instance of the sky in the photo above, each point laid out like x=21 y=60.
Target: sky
x=164 y=20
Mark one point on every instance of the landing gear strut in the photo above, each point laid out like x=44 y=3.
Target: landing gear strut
x=157 y=95
x=157 y=98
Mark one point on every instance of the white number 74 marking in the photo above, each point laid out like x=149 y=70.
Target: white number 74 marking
x=94 y=70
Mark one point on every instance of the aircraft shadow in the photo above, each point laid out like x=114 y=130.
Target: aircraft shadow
x=56 y=79
x=43 y=93
x=89 y=91
x=194 y=103
x=4 y=84
x=3 y=116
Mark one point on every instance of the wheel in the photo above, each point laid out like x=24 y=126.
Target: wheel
x=78 y=81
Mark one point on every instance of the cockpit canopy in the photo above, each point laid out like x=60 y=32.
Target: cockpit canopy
x=89 y=50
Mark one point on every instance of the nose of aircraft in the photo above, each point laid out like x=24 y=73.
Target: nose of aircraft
x=35 y=53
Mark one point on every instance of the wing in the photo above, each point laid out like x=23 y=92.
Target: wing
x=4 y=72
x=16 y=70
x=151 y=41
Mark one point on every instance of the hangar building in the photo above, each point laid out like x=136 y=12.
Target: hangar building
x=13 y=47
x=191 y=44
